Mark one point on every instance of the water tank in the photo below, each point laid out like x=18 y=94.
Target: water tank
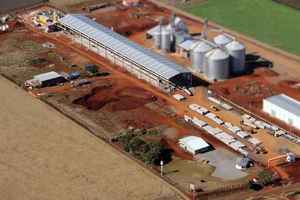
x=216 y=65
x=222 y=40
x=165 y=39
x=237 y=52
x=198 y=54
x=157 y=38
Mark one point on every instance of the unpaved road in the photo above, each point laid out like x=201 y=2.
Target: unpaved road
x=44 y=155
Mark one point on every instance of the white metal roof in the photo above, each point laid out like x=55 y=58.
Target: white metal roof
x=285 y=102
x=235 y=46
x=254 y=141
x=154 y=30
x=188 y=44
x=154 y=62
x=194 y=142
x=223 y=39
x=46 y=76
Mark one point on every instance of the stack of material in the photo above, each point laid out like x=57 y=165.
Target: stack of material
x=225 y=138
x=254 y=141
x=198 y=122
x=243 y=134
x=237 y=145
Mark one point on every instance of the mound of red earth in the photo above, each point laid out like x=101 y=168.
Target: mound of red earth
x=115 y=100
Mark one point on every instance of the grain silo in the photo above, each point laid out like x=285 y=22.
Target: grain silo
x=198 y=54
x=166 y=39
x=216 y=65
x=157 y=37
x=223 y=39
x=237 y=52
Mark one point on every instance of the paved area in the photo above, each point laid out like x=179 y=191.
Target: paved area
x=224 y=161
x=44 y=155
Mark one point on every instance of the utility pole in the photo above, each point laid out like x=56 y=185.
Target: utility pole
x=161 y=168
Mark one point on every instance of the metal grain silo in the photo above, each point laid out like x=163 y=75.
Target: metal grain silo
x=166 y=39
x=198 y=54
x=237 y=52
x=157 y=37
x=217 y=65
x=223 y=39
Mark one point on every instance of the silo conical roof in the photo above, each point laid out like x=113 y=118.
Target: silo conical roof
x=202 y=47
x=222 y=39
x=217 y=54
x=235 y=46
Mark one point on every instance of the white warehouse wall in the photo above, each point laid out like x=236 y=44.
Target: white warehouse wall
x=279 y=113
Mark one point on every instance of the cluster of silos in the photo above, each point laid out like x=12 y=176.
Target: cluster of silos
x=198 y=53
x=220 y=59
x=163 y=38
x=216 y=64
x=236 y=51
x=211 y=60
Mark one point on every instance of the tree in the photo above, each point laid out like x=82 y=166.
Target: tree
x=153 y=154
x=125 y=140
x=265 y=177
x=135 y=144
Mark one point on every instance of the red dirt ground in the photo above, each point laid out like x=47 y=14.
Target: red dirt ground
x=293 y=170
x=141 y=117
x=115 y=99
x=133 y=19
x=249 y=91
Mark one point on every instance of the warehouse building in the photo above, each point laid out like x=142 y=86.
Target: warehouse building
x=143 y=63
x=45 y=80
x=49 y=79
x=283 y=108
x=194 y=144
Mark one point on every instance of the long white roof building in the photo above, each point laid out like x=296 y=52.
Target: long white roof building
x=151 y=61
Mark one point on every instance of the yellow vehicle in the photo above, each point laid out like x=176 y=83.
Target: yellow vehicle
x=42 y=19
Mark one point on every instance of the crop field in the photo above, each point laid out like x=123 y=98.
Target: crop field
x=62 y=161
x=264 y=20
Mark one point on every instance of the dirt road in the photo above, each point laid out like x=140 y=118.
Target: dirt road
x=44 y=155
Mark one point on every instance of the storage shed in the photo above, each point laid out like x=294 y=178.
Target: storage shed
x=194 y=144
x=284 y=108
x=49 y=79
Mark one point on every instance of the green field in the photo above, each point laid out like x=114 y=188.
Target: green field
x=264 y=20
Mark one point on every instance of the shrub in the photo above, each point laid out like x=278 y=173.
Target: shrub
x=265 y=177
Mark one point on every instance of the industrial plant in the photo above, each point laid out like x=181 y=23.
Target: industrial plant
x=219 y=59
x=208 y=112
x=146 y=65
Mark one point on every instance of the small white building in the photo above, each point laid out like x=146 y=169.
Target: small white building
x=179 y=97
x=283 y=108
x=194 y=144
